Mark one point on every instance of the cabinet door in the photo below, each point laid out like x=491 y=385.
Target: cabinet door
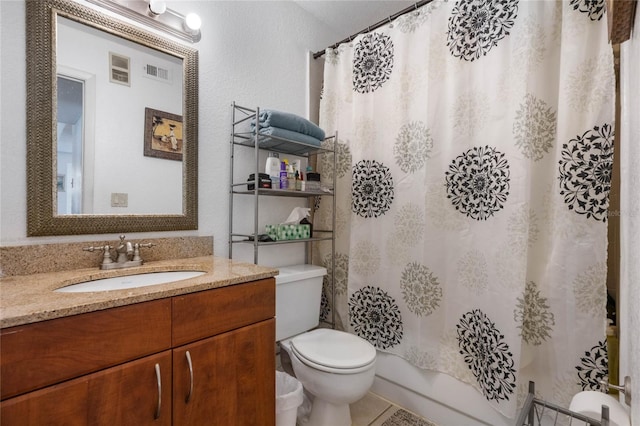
x=233 y=378
x=124 y=395
x=64 y=404
x=135 y=393
x=41 y=354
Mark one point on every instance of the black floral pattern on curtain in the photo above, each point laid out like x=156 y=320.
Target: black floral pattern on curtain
x=585 y=172
x=478 y=182
x=372 y=62
x=325 y=305
x=487 y=355
x=593 y=367
x=371 y=189
x=476 y=26
x=595 y=9
x=375 y=316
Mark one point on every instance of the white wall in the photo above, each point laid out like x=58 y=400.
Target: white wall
x=251 y=52
x=630 y=216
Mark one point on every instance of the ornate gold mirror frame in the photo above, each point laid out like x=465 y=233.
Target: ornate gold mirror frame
x=42 y=217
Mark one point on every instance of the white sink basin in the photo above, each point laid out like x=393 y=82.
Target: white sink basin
x=130 y=281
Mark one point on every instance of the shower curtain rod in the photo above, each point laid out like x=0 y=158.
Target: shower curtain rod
x=374 y=26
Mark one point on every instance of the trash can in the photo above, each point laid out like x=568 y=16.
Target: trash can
x=288 y=399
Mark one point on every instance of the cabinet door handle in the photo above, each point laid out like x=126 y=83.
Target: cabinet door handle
x=159 y=406
x=190 y=394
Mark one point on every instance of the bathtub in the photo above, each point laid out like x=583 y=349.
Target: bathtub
x=435 y=396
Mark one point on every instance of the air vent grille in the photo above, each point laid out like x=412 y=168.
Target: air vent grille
x=119 y=69
x=157 y=73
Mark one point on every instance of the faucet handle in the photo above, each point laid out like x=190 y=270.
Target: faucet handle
x=137 y=247
x=92 y=248
x=106 y=259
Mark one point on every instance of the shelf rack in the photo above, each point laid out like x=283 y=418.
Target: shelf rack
x=246 y=139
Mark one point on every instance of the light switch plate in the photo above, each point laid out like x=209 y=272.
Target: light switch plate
x=119 y=199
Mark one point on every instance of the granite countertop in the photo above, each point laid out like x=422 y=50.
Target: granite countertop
x=31 y=298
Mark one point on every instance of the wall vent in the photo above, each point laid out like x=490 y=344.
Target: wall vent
x=157 y=73
x=119 y=69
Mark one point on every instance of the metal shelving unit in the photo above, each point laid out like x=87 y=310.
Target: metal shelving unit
x=241 y=138
x=537 y=412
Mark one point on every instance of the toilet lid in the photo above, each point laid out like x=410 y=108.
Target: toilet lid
x=334 y=349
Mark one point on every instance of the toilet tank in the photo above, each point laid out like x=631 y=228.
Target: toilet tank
x=298 y=295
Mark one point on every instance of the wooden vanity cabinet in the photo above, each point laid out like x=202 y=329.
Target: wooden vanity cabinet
x=233 y=371
x=230 y=376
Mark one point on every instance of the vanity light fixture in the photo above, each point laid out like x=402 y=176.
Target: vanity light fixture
x=156 y=14
x=192 y=23
x=157 y=7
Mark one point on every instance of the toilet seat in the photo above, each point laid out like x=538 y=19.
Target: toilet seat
x=334 y=351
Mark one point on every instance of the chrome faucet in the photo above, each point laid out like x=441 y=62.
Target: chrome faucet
x=124 y=250
x=127 y=254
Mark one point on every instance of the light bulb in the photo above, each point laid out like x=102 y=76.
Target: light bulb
x=157 y=7
x=193 y=22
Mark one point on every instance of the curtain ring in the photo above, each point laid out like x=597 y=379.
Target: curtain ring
x=390 y=23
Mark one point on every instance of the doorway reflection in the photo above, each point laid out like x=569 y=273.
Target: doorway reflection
x=70 y=141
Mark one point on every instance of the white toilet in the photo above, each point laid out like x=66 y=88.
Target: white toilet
x=337 y=368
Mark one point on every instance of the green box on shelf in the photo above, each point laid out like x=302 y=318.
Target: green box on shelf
x=283 y=232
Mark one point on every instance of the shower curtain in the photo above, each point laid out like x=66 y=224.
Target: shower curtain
x=475 y=146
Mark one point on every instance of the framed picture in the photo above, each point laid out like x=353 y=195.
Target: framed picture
x=60 y=183
x=163 y=135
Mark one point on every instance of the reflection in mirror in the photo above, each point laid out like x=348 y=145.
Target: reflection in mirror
x=111 y=125
x=127 y=78
x=70 y=133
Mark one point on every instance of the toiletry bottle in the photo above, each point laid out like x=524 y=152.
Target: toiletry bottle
x=291 y=178
x=283 y=175
x=298 y=181
x=313 y=180
x=272 y=168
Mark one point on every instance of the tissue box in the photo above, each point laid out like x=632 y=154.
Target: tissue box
x=282 y=232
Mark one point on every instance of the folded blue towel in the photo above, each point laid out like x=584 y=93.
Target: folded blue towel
x=283 y=145
x=288 y=121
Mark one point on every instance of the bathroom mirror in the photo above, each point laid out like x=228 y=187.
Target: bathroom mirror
x=112 y=113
